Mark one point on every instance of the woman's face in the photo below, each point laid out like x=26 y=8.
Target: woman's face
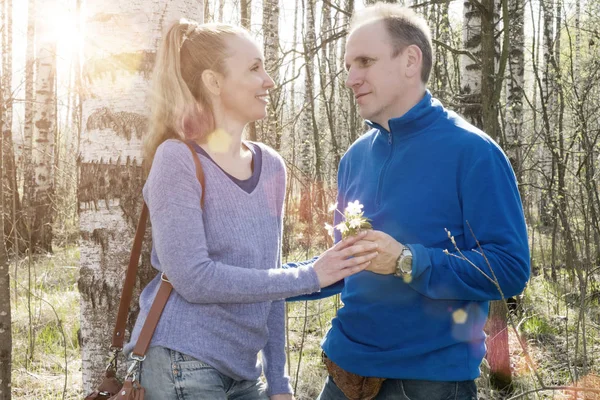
x=245 y=86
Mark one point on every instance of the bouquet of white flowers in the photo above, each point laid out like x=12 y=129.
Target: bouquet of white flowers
x=354 y=220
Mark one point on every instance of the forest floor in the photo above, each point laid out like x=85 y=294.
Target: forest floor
x=47 y=358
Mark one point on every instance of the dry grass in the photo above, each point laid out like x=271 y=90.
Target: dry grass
x=548 y=326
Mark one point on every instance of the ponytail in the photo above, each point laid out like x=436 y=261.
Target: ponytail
x=180 y=106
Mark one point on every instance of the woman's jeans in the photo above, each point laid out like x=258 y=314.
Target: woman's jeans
x=170 y=375
x=397 y=389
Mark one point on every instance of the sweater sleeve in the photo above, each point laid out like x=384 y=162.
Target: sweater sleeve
x=492 y=208
x=274 y=352
x=325 y=292
x=337 y=287
x=173 y=197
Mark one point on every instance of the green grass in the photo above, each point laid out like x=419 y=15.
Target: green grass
x=45 y=322
x=548 y=317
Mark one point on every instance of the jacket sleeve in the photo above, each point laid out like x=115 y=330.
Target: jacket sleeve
x=499 y=265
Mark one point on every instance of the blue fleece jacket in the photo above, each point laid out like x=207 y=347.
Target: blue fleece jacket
x=430 y=173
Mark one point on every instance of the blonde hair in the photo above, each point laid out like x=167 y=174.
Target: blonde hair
x=405 y=28
x=181 y=107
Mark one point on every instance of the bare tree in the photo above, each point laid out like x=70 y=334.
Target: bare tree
x=6 y=118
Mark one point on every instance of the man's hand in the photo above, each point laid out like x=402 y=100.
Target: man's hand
x=388 y=250
x=282 y=397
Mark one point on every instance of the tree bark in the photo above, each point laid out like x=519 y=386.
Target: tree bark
x=271 y=130
x=470 y=89
x=5 y=126
x=516 y=83
x=44 y=132
x=478 y=95
x=114 y=114
x=29 y=110
x=5 y=115
x=8 y=175
x=246 y=21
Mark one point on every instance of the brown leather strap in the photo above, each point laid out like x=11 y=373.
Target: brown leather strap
x=199 y=171
x=163 y=291
x=129 y=284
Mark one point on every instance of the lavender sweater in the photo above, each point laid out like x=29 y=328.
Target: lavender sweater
x=224 y=263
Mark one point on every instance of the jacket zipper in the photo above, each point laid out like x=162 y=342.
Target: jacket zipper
x=383 y=171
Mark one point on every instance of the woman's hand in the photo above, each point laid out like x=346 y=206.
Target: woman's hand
x=345 y=258
x=282 y=397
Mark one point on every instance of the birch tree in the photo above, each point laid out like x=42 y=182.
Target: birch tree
x=8 y=174
x=470 y=90
x=119 y=51
x=44 y=130
x=515 y=85
x=271 y=130
x=29 y=103
x=6 y=118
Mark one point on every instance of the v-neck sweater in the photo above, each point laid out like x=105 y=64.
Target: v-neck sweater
x=224 y=263
x=246 y=185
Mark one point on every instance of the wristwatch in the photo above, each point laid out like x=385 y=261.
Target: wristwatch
x=404 y=263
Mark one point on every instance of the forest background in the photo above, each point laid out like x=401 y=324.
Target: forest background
x=74 y=80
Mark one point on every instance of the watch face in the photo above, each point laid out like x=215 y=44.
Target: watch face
x=406 y=264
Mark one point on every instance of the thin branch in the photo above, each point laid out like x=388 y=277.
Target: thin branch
x=456 y=51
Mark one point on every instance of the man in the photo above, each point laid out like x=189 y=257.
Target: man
x=447 y=217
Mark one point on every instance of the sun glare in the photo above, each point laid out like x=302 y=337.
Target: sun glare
x=63 y=30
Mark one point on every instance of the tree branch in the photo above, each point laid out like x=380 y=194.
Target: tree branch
x=456 y=51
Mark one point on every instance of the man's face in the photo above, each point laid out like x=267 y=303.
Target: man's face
x=377 y=79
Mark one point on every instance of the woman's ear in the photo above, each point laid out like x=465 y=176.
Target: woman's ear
x=211 y=81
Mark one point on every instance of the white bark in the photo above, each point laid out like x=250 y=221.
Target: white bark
x=109 y=191
x=516 y=83
x=470 y=70
x=271 y=131
x=5 y=118
x=44 y=118
x=307 y=116
x=28 y=123
x=549 y=100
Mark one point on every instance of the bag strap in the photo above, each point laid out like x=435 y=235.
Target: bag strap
x=164 y=289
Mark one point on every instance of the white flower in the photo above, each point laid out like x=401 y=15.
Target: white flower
x=329 y=229
x=333 y=207
x=355 y=223
x=342 y=227
x=354 y=208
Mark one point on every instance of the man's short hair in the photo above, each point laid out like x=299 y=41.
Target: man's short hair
x=405 y=28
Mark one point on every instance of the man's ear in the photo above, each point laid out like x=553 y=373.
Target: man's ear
x=414 y=60
x=211 y=81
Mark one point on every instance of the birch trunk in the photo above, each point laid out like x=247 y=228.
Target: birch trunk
x=516 y=83
x=5 y=115
x=8 y=175
x=549 y=109
x=119 y=52
x=246 y=21
x=271 y=131
x=29 y=96
x=44 y=131
x=470 y=90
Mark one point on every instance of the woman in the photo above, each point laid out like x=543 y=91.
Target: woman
x=223 y=259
